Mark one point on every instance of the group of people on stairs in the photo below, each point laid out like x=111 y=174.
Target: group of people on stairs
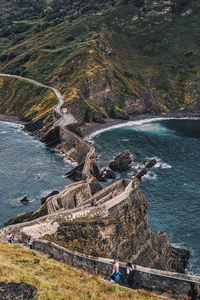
x=116 y=274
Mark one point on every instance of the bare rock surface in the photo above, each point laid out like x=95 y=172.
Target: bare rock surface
x=17 y=291
x=124 y=233
x=121 y=161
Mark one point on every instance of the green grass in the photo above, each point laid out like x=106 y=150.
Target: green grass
x=56 y=280
x=26 y=100
x=106 y=43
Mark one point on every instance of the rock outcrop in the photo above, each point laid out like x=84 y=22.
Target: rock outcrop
x=123 y=234
x=28 y=216
x=45 y=195
x=144 y=171
x=21 y=291
x=121 y=161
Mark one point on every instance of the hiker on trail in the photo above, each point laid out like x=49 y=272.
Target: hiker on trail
x=94 y=202
x=193 y=292
x=30 y=242
x=115 y=275
x=112 y=194
x=10 y=238
x=130 y=274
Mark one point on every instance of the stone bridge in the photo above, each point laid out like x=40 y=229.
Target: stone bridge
x=49 y=224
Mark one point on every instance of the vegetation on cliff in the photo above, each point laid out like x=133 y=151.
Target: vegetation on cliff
x=55 y=280
x=107 y=57
x=28 y=101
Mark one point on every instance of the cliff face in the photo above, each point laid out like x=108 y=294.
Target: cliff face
x=124 y=233
x=108 y=58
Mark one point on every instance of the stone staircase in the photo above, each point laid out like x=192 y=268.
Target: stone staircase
x=49 y=224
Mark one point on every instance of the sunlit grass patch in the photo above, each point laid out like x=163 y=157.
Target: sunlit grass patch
x=55 y=280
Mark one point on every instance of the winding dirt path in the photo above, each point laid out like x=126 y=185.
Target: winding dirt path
x=66 y=119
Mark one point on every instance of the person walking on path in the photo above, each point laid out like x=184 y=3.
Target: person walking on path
x=193 y=292
x=30 y=242
x=10 y=238
x=115 y=275
x=130 y=274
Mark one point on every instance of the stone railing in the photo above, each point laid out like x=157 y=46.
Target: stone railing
x=85 y=150
x=86 y=168
x=173 y=283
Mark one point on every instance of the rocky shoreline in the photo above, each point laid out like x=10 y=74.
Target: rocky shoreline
x=11 y=119
x=90 y=128
x=81 y=192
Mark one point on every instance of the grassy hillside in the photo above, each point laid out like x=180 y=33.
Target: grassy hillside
x=107 y=57
x=28 y=101
x=55 y=280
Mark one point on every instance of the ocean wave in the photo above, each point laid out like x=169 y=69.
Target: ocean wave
x=73 y=163
x=132 y=123
x=38 y=177
x=15 y=125
x=150 y=176
x=159 y=164
x=17 y=201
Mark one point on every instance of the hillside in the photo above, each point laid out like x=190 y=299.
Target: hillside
x=108 y=58
x=55 y=280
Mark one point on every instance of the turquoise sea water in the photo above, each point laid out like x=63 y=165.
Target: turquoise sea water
x=27 y=168
x=172 y=187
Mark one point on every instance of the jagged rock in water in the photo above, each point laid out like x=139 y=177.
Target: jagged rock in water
x=144 y=171
x=107 y=174
x=75 y=173
x=94 y=169
x=24 y=200
x=121 y=162
x=151 y=163
x=140 y=174
x=45 y=195
x=28 y=216
x=17 y=291
x=123 y=233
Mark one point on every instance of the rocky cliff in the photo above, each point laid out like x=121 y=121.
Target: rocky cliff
x=108 y=58
x=123 y=234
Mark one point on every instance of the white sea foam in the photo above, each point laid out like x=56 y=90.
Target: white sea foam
x=13 y=124
x=73 y=163
x=134 y=123
x=38 y=177
x=165 y=166
x=159 y=164
x=150 y=176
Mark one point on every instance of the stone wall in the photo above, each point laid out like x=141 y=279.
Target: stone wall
x=82 y=147
x=72 y=196
x=174 y=283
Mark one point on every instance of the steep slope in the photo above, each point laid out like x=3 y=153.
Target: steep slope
x=55 y=280
x=109 y=58
x=123 y=234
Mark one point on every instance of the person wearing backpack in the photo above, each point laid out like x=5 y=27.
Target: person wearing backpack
x=193 y=292
x=130 y=274
x=116 y=275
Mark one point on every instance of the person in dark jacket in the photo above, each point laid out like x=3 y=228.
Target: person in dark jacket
x=130 y=274
x=193 y=292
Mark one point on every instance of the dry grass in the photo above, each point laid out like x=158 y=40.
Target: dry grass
x=55 y=280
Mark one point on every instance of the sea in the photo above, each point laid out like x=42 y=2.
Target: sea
x=27 y=168
x=172 y=187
